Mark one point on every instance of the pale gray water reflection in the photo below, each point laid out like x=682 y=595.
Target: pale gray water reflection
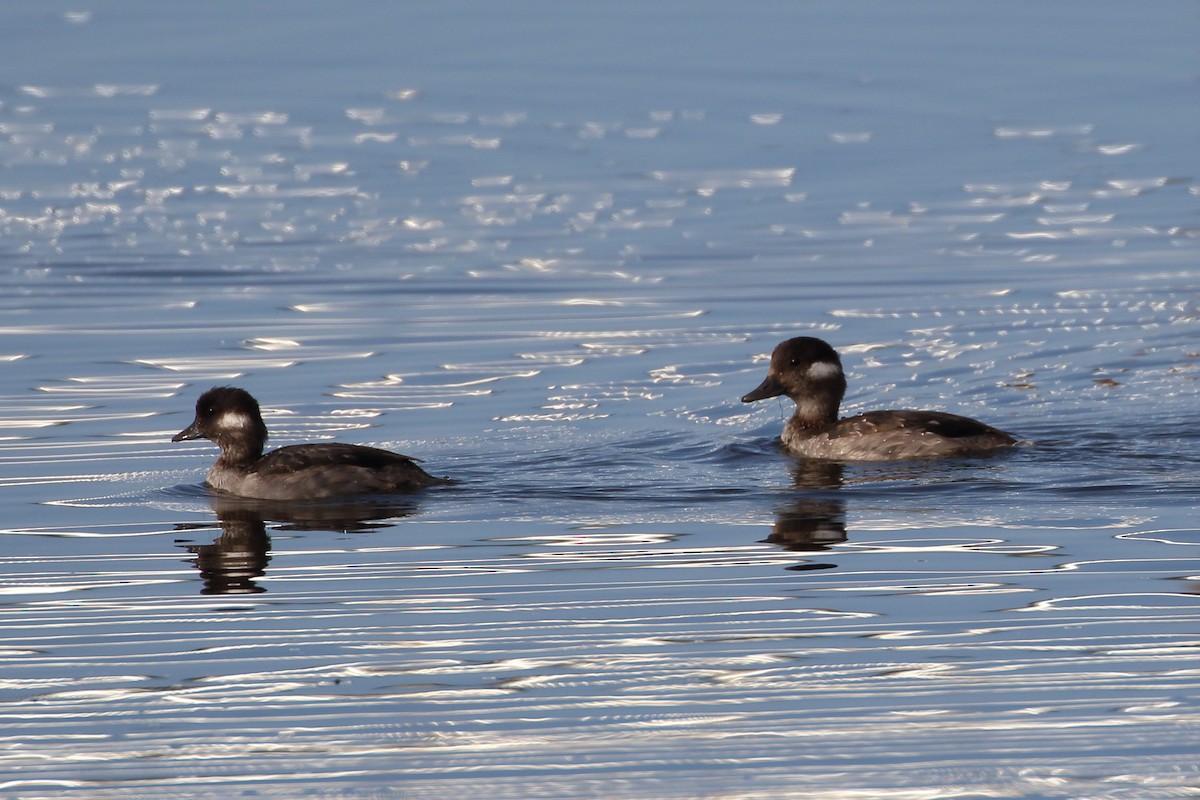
x=548 y=247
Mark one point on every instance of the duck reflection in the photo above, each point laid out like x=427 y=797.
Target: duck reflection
x=815 y=520
x=234 y=561
x=236 y=558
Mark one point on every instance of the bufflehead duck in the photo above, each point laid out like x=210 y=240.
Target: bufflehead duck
x=231 y=418
x=809 y=371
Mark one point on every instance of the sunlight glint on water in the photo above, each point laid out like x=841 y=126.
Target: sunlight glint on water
x=546 y=253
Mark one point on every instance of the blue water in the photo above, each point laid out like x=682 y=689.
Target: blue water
x=546 y=248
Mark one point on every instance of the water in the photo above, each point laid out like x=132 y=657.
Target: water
x=546 y=248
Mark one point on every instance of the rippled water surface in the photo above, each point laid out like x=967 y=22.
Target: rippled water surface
x=546 y=248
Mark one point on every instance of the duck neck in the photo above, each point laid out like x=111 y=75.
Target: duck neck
x=241 y=451
x=814 y=414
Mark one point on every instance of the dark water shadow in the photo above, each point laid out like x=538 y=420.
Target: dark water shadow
x=815 y=518
x=234 y=561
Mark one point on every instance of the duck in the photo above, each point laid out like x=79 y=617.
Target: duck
x=809 y=371
x=231 y=418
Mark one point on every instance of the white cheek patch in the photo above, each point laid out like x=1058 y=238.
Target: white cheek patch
x=820 y=370
x=232 y=421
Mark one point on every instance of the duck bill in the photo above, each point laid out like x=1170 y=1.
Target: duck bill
x=190 y=432
x=768 y=388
